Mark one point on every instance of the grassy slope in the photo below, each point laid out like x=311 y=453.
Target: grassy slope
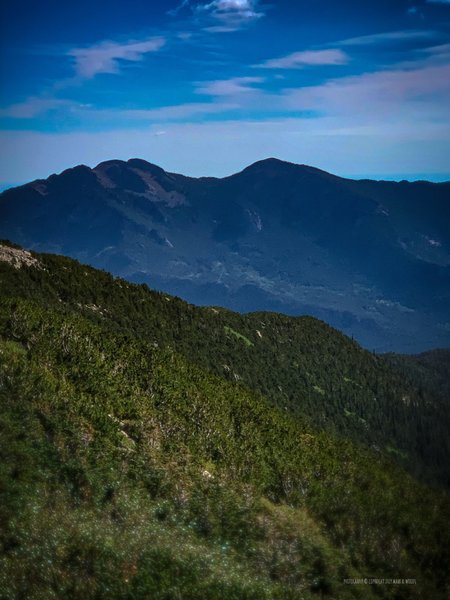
x=128 y=472
x=300 y=364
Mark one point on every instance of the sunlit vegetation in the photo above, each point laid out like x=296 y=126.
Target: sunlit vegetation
x=300 y=364
x=135 y=465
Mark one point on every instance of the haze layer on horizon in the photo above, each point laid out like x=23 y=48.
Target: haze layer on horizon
x=208 y=87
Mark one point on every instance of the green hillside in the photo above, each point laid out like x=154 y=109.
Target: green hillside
x=131 y=470
x=300 y=364
x=122 y=461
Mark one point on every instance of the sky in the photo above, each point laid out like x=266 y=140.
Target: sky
x=206 y=87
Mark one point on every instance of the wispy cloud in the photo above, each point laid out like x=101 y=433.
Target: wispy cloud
x=107 y=56
x=299 y=60
x=169 y=113
x=440 y=51
x=388 y=36
x=104 y=57
x=33 y=107
x=229 y=87
x=175 y=11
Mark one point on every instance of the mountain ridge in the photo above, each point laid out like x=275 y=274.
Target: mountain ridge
x=262 y=162
x=372 y=258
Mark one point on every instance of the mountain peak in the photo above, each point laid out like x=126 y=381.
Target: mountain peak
x=143 y=165
x=106 y=164
x=134 y=163
x=273 y=165
x=270 y=162
x=76 y=175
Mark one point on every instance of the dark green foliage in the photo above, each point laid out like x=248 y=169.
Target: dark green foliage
x=112 y=443
x=300 y=364
x=429 y=371
x=128 y=471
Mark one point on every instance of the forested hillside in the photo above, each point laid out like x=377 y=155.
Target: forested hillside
x=301 y=364
x=131 y=470
x=429 y=370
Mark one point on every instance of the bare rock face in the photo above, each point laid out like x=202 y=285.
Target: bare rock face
x=17 y=258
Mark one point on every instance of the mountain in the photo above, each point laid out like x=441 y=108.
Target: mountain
x=371 y=258
x=140 y=458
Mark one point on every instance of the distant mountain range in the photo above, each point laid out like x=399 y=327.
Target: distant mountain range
x=372 y=258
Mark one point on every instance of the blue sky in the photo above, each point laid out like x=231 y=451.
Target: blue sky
x=205 y=87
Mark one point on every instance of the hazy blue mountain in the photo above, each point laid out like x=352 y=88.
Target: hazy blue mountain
x=371 y=258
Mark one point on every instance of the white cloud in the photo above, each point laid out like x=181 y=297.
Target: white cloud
x=246 y=8
x=221 y=15
x=229 y=87
x=107 y=56
x=228 y=15
x=421 y=93
x=298 y=60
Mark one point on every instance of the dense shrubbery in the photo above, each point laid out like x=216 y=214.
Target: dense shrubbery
x=299 y=364
x=129 y=471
